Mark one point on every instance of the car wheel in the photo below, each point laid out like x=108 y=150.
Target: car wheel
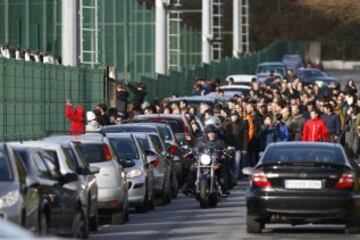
x=119 y=218
x=352 y=227
x=252 y=225
x=152 y=203
x=43 y=224
x=81 y=230
x=174 y=187
x=143 y=208
x=94 y=222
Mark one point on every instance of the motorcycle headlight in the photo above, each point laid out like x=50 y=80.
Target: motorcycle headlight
x=134 y=173
x=205 y=159
x=10 y=199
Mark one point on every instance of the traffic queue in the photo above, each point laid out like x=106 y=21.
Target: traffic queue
x=140 y=154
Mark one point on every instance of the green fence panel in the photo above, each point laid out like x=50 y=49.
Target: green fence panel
x=32 y=97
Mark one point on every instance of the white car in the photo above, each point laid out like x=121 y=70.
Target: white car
x=242 y=79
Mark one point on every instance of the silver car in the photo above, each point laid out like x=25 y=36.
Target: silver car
x=161 y=166
x=140 y=176
x=111 y=180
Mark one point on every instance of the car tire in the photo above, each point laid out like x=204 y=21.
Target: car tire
x=94 y=222
x=43 y=229
x=143 y=208
x=119 y=218
x=152 y=203
x=352 y=227
x=174 y=187
x=252 y=225
x=81 y=229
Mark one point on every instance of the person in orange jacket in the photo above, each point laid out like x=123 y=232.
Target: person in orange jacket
x=315 y=129
x=77 y=118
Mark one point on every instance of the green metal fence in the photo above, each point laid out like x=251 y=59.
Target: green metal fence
x=32 y=97
x=181 y=83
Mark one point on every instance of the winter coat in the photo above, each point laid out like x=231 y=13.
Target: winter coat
x=269 y=135
x=236 y=134
x=282 y=132
x=296 y=127
x=332 y=123
x=251 y=126
x=351 y=136
x=255 y=142
x=315 y=131
x=339 y=111
x=139 y=96
x=122 y=101
x=77 y=118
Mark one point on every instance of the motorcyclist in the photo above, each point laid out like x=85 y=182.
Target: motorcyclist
x=210 y=140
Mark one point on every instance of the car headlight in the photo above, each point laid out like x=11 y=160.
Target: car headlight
x=134 y=173
x=10 y=199
x=319 y=83
x=205 y=159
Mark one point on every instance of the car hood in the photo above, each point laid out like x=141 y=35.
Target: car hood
x=6 y=187
x=324 y=79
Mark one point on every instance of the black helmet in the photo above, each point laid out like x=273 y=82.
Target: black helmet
x=211 y=128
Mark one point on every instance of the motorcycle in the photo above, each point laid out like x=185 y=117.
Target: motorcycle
x=207 y=186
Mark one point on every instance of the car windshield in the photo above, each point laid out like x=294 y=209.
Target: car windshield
x=92 y=153
x=314 y=73
x=5 y=172
x=166 y=134
x=144 y=143
x=125 y=148
x=268 y=69
x=157 y=141
x=303 y=155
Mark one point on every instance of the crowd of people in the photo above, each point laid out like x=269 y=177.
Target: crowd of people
x=276 y=111
x=29 y=56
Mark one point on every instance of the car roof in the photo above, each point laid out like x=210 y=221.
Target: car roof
x=241 y=77
x=39 y=144
x=271 y=64
x=240 y=87
x=119 y=135
x=164 y=116
x=194 y=98
x=305 y=144
x=128 y=125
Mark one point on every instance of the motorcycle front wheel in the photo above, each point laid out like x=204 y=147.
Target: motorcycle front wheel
x=204 y=195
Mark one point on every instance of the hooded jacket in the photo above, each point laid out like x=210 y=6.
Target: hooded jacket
x=315 y=130
x=76 y=116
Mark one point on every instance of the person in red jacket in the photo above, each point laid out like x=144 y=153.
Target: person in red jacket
x=76 y=116
x=315 y=129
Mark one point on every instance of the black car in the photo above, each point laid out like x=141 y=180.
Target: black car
x=301 y=183
x=61 y=211
x=314 y=76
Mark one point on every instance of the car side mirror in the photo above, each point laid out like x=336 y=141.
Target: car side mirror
x=31 y=183
x=248 y=171
x=94 y=170
x=230 y=148
x=150 y=153
x=127 y=163
x=70 y=177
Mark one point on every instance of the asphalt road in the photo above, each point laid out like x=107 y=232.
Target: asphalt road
x=183 y=219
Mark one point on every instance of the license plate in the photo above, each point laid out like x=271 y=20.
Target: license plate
x=303 y=184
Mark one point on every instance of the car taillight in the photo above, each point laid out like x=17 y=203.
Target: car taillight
x=107 y=152
x=260 y=180
x=155 y=163
x=173 y=149
x=346 y=181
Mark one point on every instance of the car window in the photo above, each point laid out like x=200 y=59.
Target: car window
x=166 y=134
x=40 y=166
x=52 y=165
x=125 y=148
x=20 y=168
x=157 y=142
x=5 y=170
x=302 y=155
x=70 y=158
x=143 y=142
x=93 y=153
